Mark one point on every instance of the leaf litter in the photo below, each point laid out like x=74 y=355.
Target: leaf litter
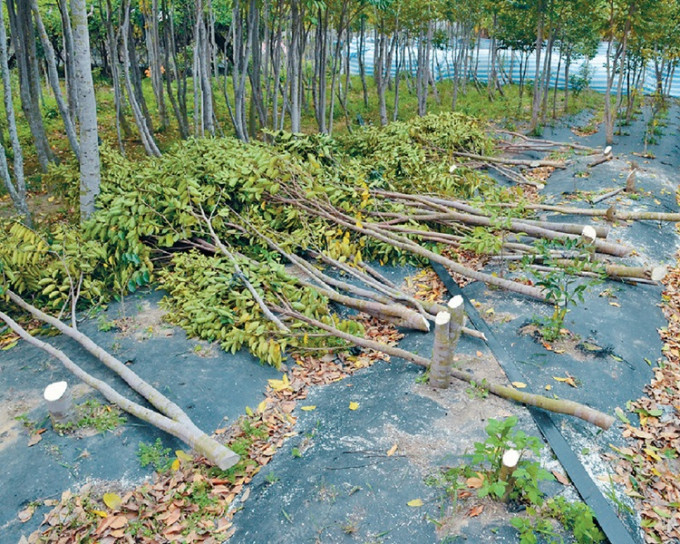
x=649 y=465
x=194 y=502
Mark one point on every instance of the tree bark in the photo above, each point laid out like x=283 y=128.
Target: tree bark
x=71 y=91
x=140 y=119
x=154 y=53
x=559 y=406
x=53 y=78
x=17 y=192
x=536 y=104
x=23 y=40
x=90 y=171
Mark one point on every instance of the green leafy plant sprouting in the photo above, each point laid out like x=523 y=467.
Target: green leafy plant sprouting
x=561 y=282
x=575 y=517
x=487 y=460
x=155 y=455
x=93 y=414
x=522 y=486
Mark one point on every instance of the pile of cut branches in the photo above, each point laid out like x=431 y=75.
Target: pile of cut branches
x=258 y=245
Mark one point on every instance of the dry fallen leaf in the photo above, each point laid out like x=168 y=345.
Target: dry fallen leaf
x=353 y=405
x=415 y=503
x=561 y=478
x=568 y=380
x=118 y=522
x=519 y=385
x=392 y=450
x=26 y=514
x=475 y=511
x=474 y=482
x=35 y=438
x=280 y=385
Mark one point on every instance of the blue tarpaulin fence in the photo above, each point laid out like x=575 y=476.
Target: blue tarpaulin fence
x=443 y=62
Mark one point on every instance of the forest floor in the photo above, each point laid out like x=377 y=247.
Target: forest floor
x=323 y=440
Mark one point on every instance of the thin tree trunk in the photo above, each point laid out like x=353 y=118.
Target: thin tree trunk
x=170 y=417
x=136 y=77
x=53 y=78
x=16 y=192
x=172 y=72
x=154 y=52
x=71 y=91
x=112 y=46
x=141 y=121
x=24 y=46
x=360 y=60
x=536 y=103
x=90 y=174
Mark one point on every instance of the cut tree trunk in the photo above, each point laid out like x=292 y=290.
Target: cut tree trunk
x=559 y=406
x=442 y=352
x=171 y=419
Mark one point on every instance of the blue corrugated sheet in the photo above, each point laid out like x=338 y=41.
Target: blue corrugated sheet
x=442 y=67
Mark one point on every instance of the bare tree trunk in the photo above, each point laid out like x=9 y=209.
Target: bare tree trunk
x=16 y=192
x=136 y=78
x=360 y=59
x=493 y=76
x=203 y=63
x=547 y=73
x=53 y=78
x=90 y=174
x=319 y=83
x=567 y=65
x=624 y=50
x=241 y=47
x=23 y=40
x=536 y=104
x=112 y=47
x=169 y=417
x=256 y=68
x=399 y=59
x=382 y=70
x=141 y=121
x=174 y=73
x=154 y=52
x=423 y=76
x=296 y=53
x=71 y=91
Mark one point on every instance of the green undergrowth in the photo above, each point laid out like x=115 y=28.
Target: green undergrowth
x=545 y=520
x=94 y=415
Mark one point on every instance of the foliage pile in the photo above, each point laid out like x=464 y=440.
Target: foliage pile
x=233 y=222
x=154 y=211
x=417 y=155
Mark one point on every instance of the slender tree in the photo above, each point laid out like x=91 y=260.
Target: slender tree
x=53 y=78
x=23 y=40
x=90 y=170
x=16 y=189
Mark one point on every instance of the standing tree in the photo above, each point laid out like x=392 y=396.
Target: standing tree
x=17 y=192
x=90 y=171
x=53 y=78
x=23 y=40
